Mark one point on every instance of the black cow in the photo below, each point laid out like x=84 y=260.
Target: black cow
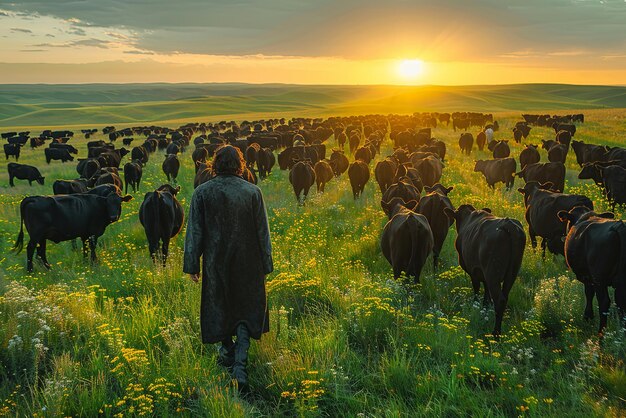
x=139 y=154
x=86 y=168
x=302 y=177
x=542 y=206
x=432 y=206
x=24 y=172
x=12 y=149
x=170 y=166
x=403 y=189
x=545 y=173
x=466 y=142
x=71 y=149
x=60 y=187
x=614 y=180
x=490 y=251
x=359 y=175
x=406 y=240
x=132 y=175
x=501 y=149
x=500 y=170
x=63 y=218
x=430 y=170
x=161 y=216
x=265 y=160
x=588 y=153
x=529 y=155
x=595 y=250
x=57 y=154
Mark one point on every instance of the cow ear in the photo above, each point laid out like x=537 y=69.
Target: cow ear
x=428 y=189
x=450 y=214
x=177 y=189
x=411 y=205
x=449 y=189
x=547 y=185
x=607 y=215
x=563 y=215
x=127 y=198
x=487 y=210
x=521 y=190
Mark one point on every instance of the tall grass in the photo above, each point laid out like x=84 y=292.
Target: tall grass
x=121 y=337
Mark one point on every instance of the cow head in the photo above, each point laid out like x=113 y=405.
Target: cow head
x=114 y=205
x=438 y=188
x=396 y=204
x=580 y=213
x=169 y=189
x=532 y=146
x=459 y=215
x=40 y=180
x=591 y=171
x=480 y=166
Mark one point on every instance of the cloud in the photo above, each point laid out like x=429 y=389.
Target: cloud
x=33 y=50
x=139 y=52
x=22 y=30
x=354 y=29
x=77 y=32
x=91 y=42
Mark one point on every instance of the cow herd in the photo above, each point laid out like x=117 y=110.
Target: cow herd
x=419 y=208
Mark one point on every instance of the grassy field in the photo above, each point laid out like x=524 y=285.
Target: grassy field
x=28 y=105
x=121 y=338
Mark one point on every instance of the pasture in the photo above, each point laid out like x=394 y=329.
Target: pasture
x=121 y=337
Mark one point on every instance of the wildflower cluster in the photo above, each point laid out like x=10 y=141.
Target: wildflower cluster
x=305 y=392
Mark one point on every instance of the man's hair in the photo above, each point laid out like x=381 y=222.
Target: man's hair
x=228 y=160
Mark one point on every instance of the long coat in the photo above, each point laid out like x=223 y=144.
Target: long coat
x=227 y=226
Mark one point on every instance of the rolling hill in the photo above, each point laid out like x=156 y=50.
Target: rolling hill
x=74 y=105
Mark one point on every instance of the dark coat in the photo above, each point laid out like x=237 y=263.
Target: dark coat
x=227 y=226
x=595 y=250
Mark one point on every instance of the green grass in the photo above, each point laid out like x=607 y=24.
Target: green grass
x=94 y=104
x=122 y=336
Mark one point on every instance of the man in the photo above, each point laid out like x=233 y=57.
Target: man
x=227 y=226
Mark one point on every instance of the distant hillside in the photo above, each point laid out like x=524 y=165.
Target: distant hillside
x=40 y=105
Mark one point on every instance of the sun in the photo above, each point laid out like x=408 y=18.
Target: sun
x=410 y=69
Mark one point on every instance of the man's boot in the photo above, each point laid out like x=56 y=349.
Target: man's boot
x=226 y=354
x=241 y=358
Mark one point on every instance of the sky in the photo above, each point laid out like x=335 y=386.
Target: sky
x=444 y=42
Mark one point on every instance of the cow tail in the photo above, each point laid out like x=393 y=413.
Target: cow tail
x=514 y=246
x=19 y=242
x=621 y=232
x=414 y=233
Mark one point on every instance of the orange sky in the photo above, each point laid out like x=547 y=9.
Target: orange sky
x=304 y=42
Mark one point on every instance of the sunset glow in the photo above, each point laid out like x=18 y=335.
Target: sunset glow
x=410 y=69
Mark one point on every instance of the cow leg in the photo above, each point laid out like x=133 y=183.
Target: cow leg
x=620 y=300
x=499 y=303
x=153 y=247
x=475 y=286
x=435 y=262
x=126 y=186
x=30 y=251
x=604 y=302
x=533 y=237
x=11 y=181
x=589 y=293
x=165 y=249
x=41 y=253
x=93 y=243
x=544 y=242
